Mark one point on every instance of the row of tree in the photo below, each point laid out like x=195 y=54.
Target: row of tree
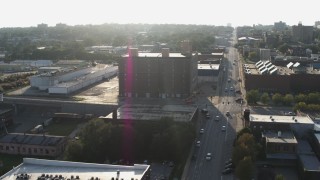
x=244 y=154
x=13 y=81
x=101 y=142
x=253 y=96
x=68 y=42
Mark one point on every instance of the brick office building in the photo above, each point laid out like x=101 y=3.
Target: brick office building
x=157 y=75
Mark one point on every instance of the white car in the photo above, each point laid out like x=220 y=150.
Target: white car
x=223 y=128
x=217 y=118
x=231 y=88
x=201 y=131
x=208 y=156
x=198 y=143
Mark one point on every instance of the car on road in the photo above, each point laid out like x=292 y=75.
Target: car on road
x=228 y=161
x=227 y=171
x=208 y=115
x=198 y=143
x=217 y=118
x=201 y=131
x=208 y=156
x=230 y=165
x=225 y=89
x=229 y=80
x=223 y=128
x=231 y=88
x=204 y=110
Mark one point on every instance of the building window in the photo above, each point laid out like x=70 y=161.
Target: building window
x=1 y=147
x=41 y=150
x=23 y=149
x=35 y=150
x=47 y=151
x=7 y=148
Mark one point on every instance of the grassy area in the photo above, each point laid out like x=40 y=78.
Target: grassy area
x=62 y=128
x=8 y=162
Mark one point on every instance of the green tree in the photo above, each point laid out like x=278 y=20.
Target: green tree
x=283 y=48
x=252 y=96
x=253 y=56
x=300 y=98
x=288 y=99
x=313 y=98
x=245 y=146
x=301 y=106
x=244 y=170
x=265 y=98
x=74 y=151
x=277 y=98
x=279 y=177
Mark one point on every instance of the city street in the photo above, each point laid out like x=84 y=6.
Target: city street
x=215 y=139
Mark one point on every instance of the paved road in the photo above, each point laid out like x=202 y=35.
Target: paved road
x=214 y=140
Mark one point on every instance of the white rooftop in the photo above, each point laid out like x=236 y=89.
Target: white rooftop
x=281 y=119
x=147 y=54
x=208 y=66
x=36 y=167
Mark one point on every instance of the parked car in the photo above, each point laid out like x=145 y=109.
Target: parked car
x=223 y=128
x=228 y=161
x=217 y=118
x=230 y=165
x=227 y=171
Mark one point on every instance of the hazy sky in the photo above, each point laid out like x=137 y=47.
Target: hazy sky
x=25 y=13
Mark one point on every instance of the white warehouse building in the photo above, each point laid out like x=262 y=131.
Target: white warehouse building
x=68 y=80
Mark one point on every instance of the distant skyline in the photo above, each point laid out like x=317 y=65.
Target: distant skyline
x=26 y=13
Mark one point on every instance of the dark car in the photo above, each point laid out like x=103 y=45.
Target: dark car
x=230 y=165
x=227 y=171
x=228 y=161
x=204 y=111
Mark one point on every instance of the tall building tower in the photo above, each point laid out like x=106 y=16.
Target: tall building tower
x=302 y=33
x=186 y=47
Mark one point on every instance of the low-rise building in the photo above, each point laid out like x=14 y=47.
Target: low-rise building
x=32 y=144
x=300 y=125
x=280 y=144
x=41 y=169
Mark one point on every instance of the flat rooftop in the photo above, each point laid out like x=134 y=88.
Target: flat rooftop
x=280 y=119
x=310 y=162
x=179 y=113
x=31 y=139
x=85 y=171
x=208 y=66
x=147 y=54
x=285 y=137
